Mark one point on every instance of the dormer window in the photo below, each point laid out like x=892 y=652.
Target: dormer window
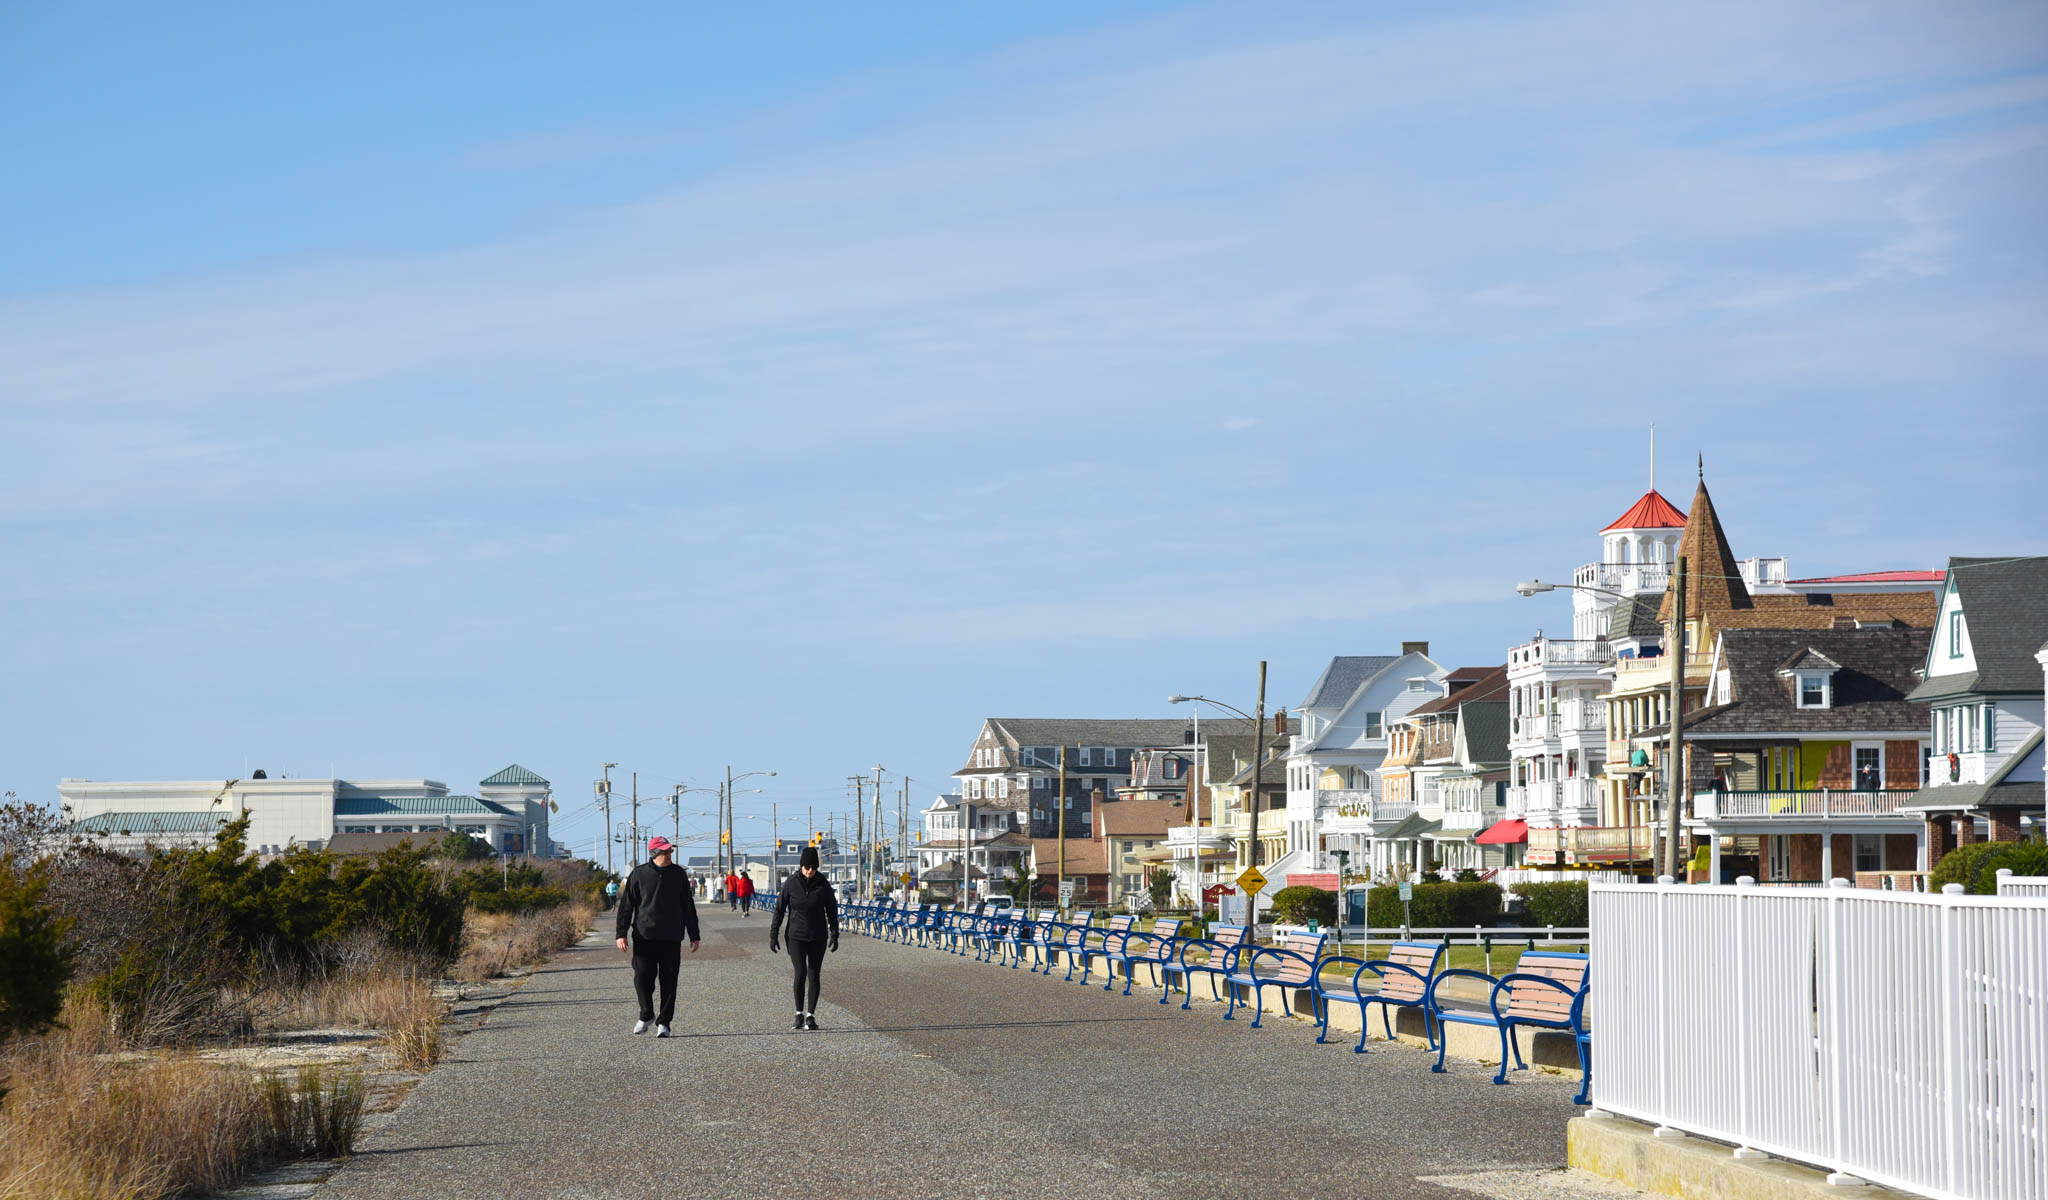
x=1816 y=689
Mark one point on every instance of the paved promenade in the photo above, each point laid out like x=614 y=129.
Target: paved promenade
x=933 y=1076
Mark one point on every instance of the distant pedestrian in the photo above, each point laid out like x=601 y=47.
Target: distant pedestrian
x=746 y=890
x=611 y=892
x=732 y=890
x=812 y=909
x=655 y=906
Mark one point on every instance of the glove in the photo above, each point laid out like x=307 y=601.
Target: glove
x=834 y=947
x=774 y=947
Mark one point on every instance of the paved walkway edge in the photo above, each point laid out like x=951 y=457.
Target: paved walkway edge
x=1690 y=1168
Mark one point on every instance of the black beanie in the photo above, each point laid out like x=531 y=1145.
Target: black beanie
x=809 y=858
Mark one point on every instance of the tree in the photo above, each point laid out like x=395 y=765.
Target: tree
x=1022 y=883
x=35 y=962
x=1159 y=883
x=462 y=847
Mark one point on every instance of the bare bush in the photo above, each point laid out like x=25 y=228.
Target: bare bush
x=317 y=1113
x=494 y=943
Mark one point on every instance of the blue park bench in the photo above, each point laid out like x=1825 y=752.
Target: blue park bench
x=1546 y=990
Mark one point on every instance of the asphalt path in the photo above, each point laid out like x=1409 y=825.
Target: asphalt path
x=934 y=1075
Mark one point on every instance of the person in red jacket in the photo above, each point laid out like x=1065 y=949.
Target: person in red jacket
x=746 y=890
x=732 y=890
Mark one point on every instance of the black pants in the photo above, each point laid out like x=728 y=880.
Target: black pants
x=653 y=958
x=746 y=902
x=808 y=959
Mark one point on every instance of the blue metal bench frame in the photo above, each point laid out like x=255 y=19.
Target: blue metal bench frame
x=1221 y=962
x=1574 y=1023
x=1130 y=955
x=1250 y=977
x=1326 y=993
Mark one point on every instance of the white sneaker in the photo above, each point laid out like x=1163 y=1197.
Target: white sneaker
x=661 y=1031
x=639 y=1027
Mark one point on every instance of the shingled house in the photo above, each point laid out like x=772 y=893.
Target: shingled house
x=1983 y=685
x=1808 y=755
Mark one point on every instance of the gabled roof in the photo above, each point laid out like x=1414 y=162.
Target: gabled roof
x=1876 y=670
x=2005 y=608
x=514 y=776
x=1653 y=511
x=1484 y=726
x=1808 y=659
x=1634 y=618
x=1478 y=683
x=1342 y=677
x=1139 y=818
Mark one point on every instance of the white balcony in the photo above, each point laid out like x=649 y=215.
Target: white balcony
x=1552 y=802
x=1627 y=578
x=1573 y=718
x=1559 y=652
x=1356 y=810
x=1823 y=804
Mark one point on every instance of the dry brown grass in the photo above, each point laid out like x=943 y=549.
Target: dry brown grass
x=82 y=1122
x=494 y=943
x=79 y=1126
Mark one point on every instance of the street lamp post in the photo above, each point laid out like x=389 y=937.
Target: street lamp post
x=725 y=844
x=1258 y=768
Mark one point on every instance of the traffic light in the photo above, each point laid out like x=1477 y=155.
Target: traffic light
x=725 y=837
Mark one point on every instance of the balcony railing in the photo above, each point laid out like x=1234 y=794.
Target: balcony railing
x=1627 y=578
x=1560 y=652
x=1572 y=717
x=1357 y=805
x=1589 y=843
x=1825 y=802
x=1630 y=671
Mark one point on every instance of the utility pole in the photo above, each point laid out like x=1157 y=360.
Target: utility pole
x=675 y=808
x=1675 y=777
x=636 y=812
x=873 y=851
x=725 y=842
x=860 y=826
x=604 y=798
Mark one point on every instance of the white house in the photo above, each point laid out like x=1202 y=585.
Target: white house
x=1334 y=797
x=510 y=813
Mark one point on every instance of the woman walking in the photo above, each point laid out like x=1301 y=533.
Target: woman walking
x=807 y=900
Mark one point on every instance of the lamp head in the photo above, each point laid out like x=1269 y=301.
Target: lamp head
x=1533 y=586
x=1178 y=699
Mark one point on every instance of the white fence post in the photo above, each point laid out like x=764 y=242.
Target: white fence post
x=1837 y=1052
x=1950 y=968
x=1745 y=891
x=1665 y=884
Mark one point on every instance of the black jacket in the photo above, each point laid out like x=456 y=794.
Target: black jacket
x=656 y=904
x=811 y=906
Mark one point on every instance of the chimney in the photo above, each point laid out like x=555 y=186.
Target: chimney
x=1280 y=723
x=1421 y=648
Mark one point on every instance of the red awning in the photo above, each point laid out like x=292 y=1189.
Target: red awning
x=1504 y=833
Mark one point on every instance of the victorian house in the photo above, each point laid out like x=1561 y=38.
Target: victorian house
x=1335 y=800
x=1812 y=754
x=1426 y=746
x=1020 y=761
x=1983 y=688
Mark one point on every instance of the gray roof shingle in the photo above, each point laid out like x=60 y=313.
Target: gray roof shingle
x=1342 y=677
x=2005 y=606
x=1876 y=672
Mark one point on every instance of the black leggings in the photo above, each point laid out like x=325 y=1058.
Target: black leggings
x=807 y=958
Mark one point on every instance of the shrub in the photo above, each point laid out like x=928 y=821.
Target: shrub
x=35 y=961
x=1436 y=905
x=1300 y=905
x=1158 y=885
x=1558 y=902
x=462 y=847
x=316 y=1114
x=2021 y=858
x=1964 y=865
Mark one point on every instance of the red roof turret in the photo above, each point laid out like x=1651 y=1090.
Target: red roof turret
x=1651 y=512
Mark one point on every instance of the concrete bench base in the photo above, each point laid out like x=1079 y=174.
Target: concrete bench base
x=1693 y=1168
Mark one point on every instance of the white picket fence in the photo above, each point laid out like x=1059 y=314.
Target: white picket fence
x=2010 y=884
x=1885 y=1036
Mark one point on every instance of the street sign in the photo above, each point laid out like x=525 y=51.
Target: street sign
x=904 y=879
x=1407 y=891
x=1066 y=892
x=1251 y=881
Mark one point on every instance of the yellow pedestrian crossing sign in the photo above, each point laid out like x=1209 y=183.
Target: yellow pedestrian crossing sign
x=1251 y=883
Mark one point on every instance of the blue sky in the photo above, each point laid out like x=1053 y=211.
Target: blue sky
x=390 y=391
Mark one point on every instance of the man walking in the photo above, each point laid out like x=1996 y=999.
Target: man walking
x=656 y=908
x=732 y=889
x=746 y=890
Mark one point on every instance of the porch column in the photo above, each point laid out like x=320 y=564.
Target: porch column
x=1714 y=856
x=1827 y=857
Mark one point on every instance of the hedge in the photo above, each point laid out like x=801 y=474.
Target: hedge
x=1559 y=902
x=1435 y=906
x=1976 y=865
x=1300 y=905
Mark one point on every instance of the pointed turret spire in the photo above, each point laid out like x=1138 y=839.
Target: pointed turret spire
x=1713 y=583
